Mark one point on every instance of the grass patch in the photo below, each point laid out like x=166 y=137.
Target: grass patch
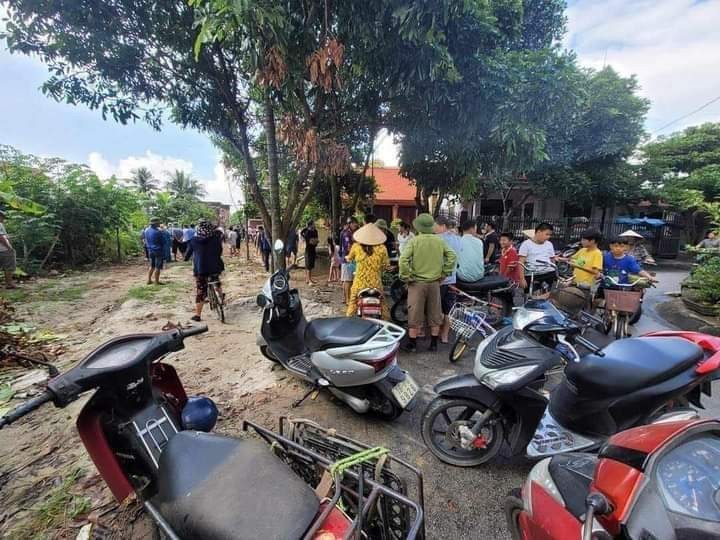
x=61 y=294
x=143 y=292
x=54 y=512
x=164 y=294
x=14 y=295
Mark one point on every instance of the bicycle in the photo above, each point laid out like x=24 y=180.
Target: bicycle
x=216 y=300
x=468 y=318
x=623 y=304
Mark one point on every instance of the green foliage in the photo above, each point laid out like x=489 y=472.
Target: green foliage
x=707 y=279
x=182 y=185
x=143 y=180
x=67 y=215
x=59 y=507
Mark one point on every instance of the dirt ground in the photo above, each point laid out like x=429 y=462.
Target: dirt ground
x=48 y=486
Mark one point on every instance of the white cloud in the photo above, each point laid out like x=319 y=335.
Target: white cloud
x=218 y=188
x=671 y=45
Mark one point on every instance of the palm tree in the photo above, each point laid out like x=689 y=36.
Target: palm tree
x=182 y=184
x=144 y=181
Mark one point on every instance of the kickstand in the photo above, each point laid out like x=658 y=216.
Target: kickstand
x=307 y=395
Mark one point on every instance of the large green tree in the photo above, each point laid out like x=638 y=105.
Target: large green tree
x=684 y=169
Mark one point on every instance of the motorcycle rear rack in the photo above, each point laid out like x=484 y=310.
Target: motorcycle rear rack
x=369 y=498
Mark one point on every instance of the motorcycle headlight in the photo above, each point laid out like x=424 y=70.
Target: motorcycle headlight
x=506 y=376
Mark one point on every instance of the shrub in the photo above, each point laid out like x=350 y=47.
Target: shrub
x=707 y=279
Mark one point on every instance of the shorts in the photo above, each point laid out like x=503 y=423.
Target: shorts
x=310 y=255
x=7 y=260
x=157 y=259
x=424 y=304
x=447 y=298
x=346 y=273
x=201 y=286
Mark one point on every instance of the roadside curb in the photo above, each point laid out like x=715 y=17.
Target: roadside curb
x=675 y=312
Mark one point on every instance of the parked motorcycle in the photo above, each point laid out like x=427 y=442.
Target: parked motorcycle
x=660 y=481
x=355 y=359
x=149 y=440
x=630 y=382
x=496 y=290
x=564 y=269
x=369 y=304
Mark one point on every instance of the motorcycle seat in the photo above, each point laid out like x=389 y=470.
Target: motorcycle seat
x=216 y=487
x=488 y=283
x=321 y=334
x=573 y=474
x=631 y=364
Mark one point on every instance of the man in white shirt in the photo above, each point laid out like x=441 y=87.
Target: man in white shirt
x=7 y=255
x=537 y=252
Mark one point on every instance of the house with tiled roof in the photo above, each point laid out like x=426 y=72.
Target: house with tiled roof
x=395 y=195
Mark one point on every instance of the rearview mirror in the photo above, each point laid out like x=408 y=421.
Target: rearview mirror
x=261 y=300
x=279 y=245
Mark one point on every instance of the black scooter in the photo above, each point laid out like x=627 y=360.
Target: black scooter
x=630 y=382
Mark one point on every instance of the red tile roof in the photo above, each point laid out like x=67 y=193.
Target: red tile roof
x=391 y=187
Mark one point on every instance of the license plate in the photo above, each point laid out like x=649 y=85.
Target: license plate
x=404 y=391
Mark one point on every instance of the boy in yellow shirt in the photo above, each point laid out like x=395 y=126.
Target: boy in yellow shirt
x=587 y=263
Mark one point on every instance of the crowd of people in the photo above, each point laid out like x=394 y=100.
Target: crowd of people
x=432 y=254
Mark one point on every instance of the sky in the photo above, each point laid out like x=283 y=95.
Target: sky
x=672 y=46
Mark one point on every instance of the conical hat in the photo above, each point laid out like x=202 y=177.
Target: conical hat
x=631 y=234
x=529 y=232
x=370 y=235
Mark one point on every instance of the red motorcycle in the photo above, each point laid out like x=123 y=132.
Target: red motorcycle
x=660 y=481
x=150 y=441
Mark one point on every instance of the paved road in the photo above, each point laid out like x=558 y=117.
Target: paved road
x=460 y=503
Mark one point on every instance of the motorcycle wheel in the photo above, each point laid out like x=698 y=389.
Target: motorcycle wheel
x=397 y=288
x=458 y=349
x=439 y=430
x=607 y=325
x=265 y=351
x=513 y=508
x=399 y=312
x=387 y=410
x=636 y=316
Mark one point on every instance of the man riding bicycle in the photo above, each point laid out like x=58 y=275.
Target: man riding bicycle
x=206 y=250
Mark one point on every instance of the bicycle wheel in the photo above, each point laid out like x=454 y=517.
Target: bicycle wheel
x=216 y=303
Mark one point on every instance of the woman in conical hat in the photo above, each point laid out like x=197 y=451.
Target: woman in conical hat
x=371 y=259
x=636 y=246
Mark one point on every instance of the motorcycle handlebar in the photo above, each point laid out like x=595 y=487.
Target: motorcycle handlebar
x=193 y=330
x=29 y=406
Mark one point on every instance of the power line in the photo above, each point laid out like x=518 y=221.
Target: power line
x=688 y=114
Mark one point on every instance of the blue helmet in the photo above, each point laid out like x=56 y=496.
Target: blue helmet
x=199 y=414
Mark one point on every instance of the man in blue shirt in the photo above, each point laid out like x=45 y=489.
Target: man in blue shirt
x=447 y=297
x=155 y=242
x=471 y=265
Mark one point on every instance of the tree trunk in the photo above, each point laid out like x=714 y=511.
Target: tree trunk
x=361 y=179
x=335 y=218
x=602 y=218
x=276 y=225
x=49 y=253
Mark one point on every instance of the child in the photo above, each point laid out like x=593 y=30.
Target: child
x=587 y=263
x=509 y=266
x=618 y=264
x=335 y=262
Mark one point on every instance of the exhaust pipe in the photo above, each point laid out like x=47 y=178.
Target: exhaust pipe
x=360 y=406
